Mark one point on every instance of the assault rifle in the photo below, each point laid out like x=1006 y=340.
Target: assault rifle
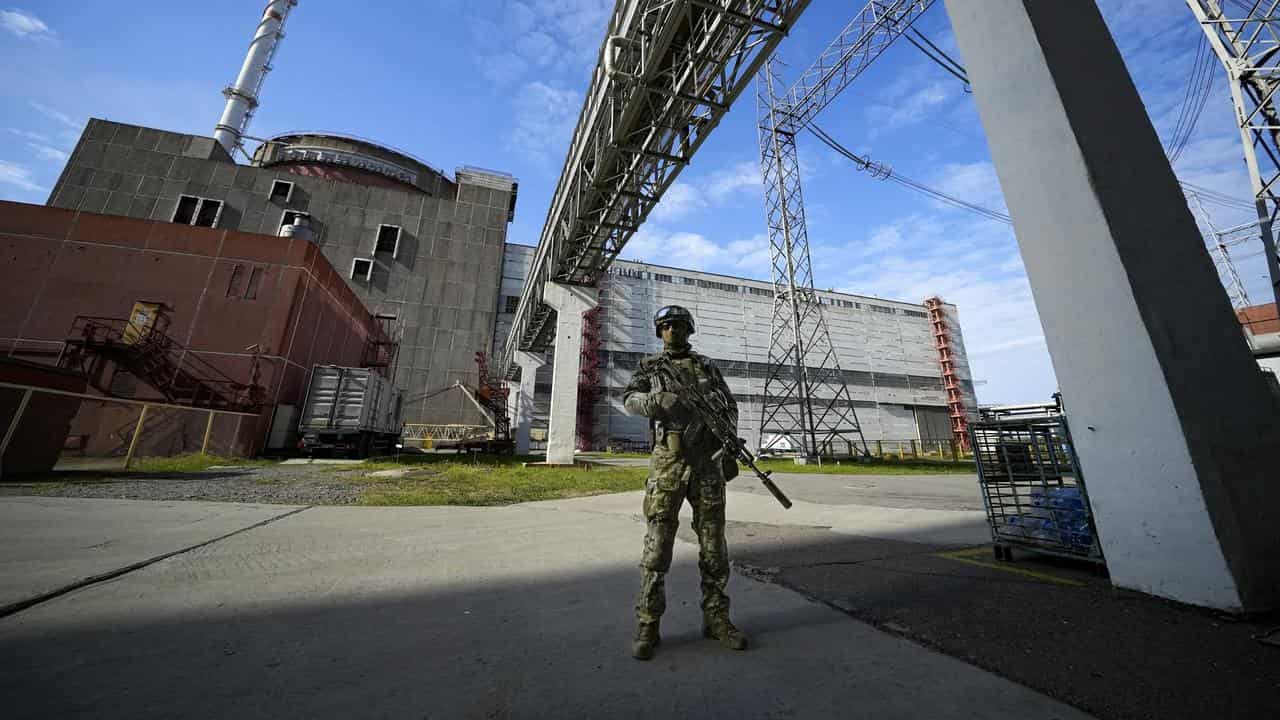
x=712 y=412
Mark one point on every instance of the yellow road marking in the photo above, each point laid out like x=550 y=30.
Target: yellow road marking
x=966 y=556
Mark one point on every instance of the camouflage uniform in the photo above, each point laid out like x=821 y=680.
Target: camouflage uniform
x=681 y=469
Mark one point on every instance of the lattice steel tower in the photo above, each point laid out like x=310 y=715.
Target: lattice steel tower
x=1248 y=44
x=805 y=396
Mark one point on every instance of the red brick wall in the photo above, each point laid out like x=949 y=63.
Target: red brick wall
x=58 y=264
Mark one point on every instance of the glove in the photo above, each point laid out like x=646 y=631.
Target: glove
x=660 y=404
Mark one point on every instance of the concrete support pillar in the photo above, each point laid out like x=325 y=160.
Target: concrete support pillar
x=520 y=399
x=1176 y=433
x=569 y=301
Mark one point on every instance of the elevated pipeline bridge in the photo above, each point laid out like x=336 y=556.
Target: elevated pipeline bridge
x=667 y=72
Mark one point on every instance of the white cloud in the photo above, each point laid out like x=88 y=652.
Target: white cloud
x=968 y=261
x=548 y=39
x=57 y=116
x=544 y=120
x=916 y=105
x=37 y=137
x=48 y=153
x=972 y=182
x=678 y=249
x=24 y=24
x=12 y=173
x=751 y=257
x=710 y=191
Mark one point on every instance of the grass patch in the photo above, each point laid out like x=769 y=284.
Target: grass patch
x=488 y=480
x=191 y=462
x=877 y=466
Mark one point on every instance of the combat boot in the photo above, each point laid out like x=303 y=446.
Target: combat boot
x=647 y=638
x=719 y=628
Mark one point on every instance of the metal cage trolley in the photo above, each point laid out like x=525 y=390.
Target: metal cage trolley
x=1032 y=487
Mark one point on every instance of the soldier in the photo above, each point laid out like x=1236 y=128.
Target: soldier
x=681 y=468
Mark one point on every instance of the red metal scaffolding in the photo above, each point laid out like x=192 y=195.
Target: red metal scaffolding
x=588 y=378
x=104 y=348
x=492 y=393
x=950 y=381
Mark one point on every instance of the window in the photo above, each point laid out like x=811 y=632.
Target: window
x=186 y=210
x=915 y=313
x=202 y=212
x=513 y=303
x=361 y=269
x=726 y=287
x=388 y=240
x=881 y=309
x=237 y=278
x=291 y=217
x=663 y=278
x=255 y=281
x=281 y=191
x=236 y=283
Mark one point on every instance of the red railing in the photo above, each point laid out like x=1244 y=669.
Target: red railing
x=588 y=378
x=146 y=352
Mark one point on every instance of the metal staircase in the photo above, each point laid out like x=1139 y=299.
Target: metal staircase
x=97 y=345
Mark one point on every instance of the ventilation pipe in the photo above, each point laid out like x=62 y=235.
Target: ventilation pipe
x=242 y=97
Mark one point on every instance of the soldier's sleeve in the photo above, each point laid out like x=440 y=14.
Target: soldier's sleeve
x=636 y=398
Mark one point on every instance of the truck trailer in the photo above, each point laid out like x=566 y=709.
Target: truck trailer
x=351 y=411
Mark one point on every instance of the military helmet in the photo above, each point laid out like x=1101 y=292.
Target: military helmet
x=669 y=313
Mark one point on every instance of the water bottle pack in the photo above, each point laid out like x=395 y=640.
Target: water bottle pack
x=1057 y=515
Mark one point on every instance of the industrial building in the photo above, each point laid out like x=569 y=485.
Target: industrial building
x=187 y=320
x=418 y=248
x=887 y=351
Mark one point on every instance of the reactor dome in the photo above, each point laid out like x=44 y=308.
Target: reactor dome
x=351 y=159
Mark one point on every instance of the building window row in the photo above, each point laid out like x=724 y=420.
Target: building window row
x=758 y=370
x=206 y=212
x=751 y=289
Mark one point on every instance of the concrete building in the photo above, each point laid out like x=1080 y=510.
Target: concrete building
x=239 y=306
x=886 y=348
x=428 y=254
x=412 y=243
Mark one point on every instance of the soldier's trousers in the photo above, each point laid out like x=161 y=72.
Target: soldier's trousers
x=672 y=480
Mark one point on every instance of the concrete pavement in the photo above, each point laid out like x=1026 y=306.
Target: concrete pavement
x=49 y=543
x=442 y=612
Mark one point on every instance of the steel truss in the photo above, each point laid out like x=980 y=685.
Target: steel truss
x=667 y=72
x=1248 y=45
x=805 y=396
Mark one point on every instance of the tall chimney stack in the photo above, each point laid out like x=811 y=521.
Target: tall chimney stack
x=242 y=97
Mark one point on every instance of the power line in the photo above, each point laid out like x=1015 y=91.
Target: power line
x=1194 y=99
x=943 y=60
x=1216 y=197
x=884 y=172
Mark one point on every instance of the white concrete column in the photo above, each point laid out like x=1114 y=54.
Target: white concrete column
x=569 y=301
x=1176 y=433
x=521 y=397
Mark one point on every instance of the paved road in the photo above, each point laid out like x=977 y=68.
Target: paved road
x=436 y=612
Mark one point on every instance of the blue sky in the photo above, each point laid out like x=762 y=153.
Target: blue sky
x=499 y=84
